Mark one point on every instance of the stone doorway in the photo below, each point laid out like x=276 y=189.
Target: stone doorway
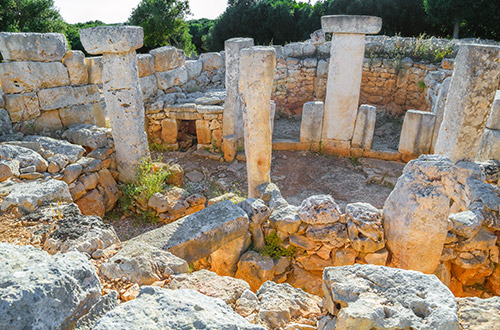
x=186 y=134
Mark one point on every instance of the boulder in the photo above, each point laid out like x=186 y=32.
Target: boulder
x=365 y=228
x=87 y=135
x=104 y=305
x=285 y=219
x=73 y=231
x=281 y=304
x=143 y=264
x=92 y=204
x=227 y=288
x=379 y=297
x=28 y=196
x=211 y=61
x=26 y=157
x=43 y=47
x=224 y=261
x=255 y=269
x=416 y=214
x=74 y=61
x=8 y=169
x=111 y=39
x=168 y=58
x=479 y=314
x=334 y=235
x=52 y=147
x=158 y=308
x=465 y=224
x=318 y=210
x=49 y=292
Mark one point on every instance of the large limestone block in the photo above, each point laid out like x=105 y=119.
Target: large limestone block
x=5 y=123
x=26 y=157
x=198 y=235
x=257 y=70
x=44 y=291
x=494 y=118
x=22 y=107
x=365 y=227
x=416 y=214
x=193 y=68
x=319 y=210
x=61 y=97
x=74 y=60
x=479 y=314
x=312 y=122
x=224 y=261
x=18 y=77
x=28 y=196
x=378 y=297
x=52 y=147
x=94 y=69
x=416 y=134
x=365 y=127
x=490 y=145
x=174 y=77
x=233 y=108
x=111 y=39
x=355 y=24
x=158 y=308
x=146 y=63
x=38 y=47
x=149 y=86
x=255 y=269
x=473 y=87
x=168 y=58
x=212 y=61
x=81 y=114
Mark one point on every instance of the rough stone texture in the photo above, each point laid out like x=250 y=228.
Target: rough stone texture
x=479 y=314
x=416 y=134
x=19 y=77
x=211 y=61
x=282 y=303
x=365 y=227
x=494 y=118
x=167 y=58
x=52 y=147
x=28 y=196
x=378 y=297
x=26 y=157
x=490 y=145
x=146 y=64
x=82 y=114
x=224 y=261
x=5 y=122
x=55 y=98
x=157 y=308
x=73 y=231
x=255 y=269
x=198 y=235
x=94 y=69
x=126 y=111
x=365 y=127
x=143 y=264
x=416 y=214
x=312 y=122
x=111 y=39
x=92 y=204
x=22 y=107
x=256 y=78
x=43 y=47
x=469 y=101
x=48 y=292
x=233 y=108
x=105 y=304
x=87 y=135
x=438 y=109
x=227 y=288
x=8 y=169
x=169 y=79
x=48 y=120
x=319 y=209
x=74 y=60
x=351 y=24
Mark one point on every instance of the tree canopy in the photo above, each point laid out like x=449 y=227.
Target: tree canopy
x=164 y=23
x=30 y=16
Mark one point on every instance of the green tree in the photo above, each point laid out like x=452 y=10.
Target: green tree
x=163 y=23
x=30 y=16
x=445 y=11
x=198 y=28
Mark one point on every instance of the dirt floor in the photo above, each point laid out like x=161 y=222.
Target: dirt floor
x=287 y=128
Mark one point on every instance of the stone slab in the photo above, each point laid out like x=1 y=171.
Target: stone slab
x=416 y=134
x=74 y=60
x=111 y=39
x=356 y=24
x=365 y=127
x=494 y=119
x=168 y=58
x=490 y=145
x=312 y=122
x=43 y=47
x=61 y=97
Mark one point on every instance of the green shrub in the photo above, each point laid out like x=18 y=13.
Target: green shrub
x=274 y=247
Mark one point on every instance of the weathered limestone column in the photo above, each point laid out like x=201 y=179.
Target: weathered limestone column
x=472 y=90
x=256 y=80
x=490 y=145
x=416 y=134
x=344 y=77
x=232 y=123
x=312 y=122
x=365 y=127
x=122 y=91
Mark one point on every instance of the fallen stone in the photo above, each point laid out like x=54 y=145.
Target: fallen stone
x=143 y=264
x=227 y=288
x=25 y=156
x=28 y=196
x=87 y=135
x=158 y=308
x=51 y=292
x=8 y=169
x=52 y=147
x=365 y=227
x=320 y=209
x=378 y=297
x=104 y=305
x=255 y=269
x=92 y=204
x=479 y=314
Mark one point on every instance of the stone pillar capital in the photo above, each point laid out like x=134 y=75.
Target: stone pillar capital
x=352 y=24
x=111 y=39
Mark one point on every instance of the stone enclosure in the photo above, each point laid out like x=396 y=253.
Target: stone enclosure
x=330 y=268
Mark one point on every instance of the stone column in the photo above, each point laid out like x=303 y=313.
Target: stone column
x=344 y=77
x=232 y=123
x=312 y=122
x=470 y=98
x=365 y=127
x=256 y=79
x=416 y=133
x=122 y=91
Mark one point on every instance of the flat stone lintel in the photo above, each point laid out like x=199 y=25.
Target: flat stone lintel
x=354 y=24
x=111 y=39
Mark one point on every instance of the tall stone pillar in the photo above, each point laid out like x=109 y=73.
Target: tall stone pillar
x=232 y=123
x=344 y=77
x=469 y=102
x=256 y=80
x=122 y=91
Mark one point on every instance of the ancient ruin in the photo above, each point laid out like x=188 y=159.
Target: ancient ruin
x=402 y=233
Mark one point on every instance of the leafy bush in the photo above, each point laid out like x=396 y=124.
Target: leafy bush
x=274 y=247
